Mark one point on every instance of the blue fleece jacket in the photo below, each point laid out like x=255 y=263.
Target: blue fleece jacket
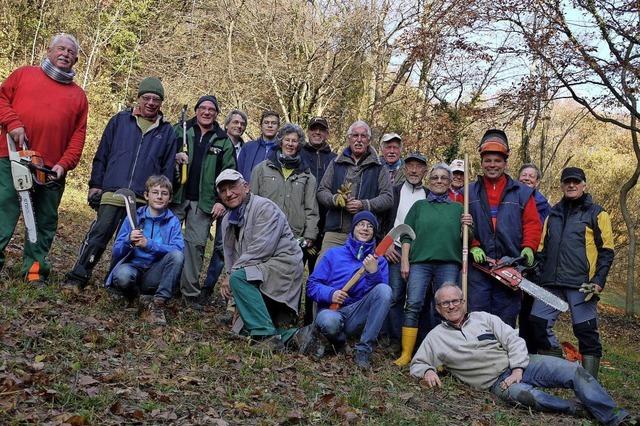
x=337 y=267
x=126 y=158
x=163 y=232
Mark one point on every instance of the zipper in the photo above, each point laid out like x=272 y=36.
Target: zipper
x=135 y=161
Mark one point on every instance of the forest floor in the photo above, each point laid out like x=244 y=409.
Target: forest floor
x=87 y=360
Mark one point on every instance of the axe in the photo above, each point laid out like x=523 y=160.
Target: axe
x=394 y=235
x=129 y=198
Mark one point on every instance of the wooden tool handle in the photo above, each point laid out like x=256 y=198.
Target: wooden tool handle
x=354 y=279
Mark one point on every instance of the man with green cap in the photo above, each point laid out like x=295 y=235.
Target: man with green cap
x=136 y=144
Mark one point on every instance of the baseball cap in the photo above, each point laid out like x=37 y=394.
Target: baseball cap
x=228 y=175
x=318 y=121
x=573 y=173
x=389 y=137
x=416 y=156
x=457 y=165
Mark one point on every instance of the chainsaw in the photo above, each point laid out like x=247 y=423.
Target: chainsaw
x=508 y=271
x=27 y=167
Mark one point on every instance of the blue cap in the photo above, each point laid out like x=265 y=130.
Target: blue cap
x=365 y=215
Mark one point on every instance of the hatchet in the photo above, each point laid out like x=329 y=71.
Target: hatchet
x=395 y=234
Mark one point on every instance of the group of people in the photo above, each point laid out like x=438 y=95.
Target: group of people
x=286 y=200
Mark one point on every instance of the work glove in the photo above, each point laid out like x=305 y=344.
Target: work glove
x=478 y=255
x=527 y=253
x=343 y=194
x=589 y=290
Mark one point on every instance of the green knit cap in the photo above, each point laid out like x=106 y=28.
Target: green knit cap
x=151 y=85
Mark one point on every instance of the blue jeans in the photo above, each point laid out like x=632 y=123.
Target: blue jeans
x=489 y=295
x=364 y=317
x=161 y=279
x=425 y=278
x=551 y=372
x=216 y=264
x=395 y=319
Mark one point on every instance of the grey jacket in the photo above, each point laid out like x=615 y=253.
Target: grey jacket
x=477 y=354
x=267 y=251
x=296 y=195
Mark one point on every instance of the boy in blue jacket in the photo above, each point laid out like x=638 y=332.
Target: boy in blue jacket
x=362 y=311
x=149 y=258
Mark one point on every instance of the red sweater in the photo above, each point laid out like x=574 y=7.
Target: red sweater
x=54 y=115
x=531 y=225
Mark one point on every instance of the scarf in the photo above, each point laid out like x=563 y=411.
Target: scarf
x=56 y=73
x=236 y=215
x=435 y=198
x=288 y=162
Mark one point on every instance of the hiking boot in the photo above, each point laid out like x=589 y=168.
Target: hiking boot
x=363 y=360
x=269 y=343
x=71 y=287
x=309 y=340
x=115 y=295
x=192 y=302
x=206 y=296
x=156 y=311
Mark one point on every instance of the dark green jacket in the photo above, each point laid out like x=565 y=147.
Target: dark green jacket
x=219 y=155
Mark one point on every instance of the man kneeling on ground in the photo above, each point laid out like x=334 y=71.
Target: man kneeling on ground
x=149 y=258
x=363 y=309
x=263 y=260
x=483 y=351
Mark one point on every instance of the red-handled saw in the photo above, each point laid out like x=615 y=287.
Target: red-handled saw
x=394 y=235
x=22 y=164
x=508 y=272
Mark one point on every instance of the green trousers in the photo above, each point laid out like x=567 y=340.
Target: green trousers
x=253 y=309
x=45 y=202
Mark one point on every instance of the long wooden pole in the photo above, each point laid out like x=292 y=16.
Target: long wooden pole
x=465 y=231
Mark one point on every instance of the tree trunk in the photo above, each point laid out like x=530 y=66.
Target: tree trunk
x=631 y=232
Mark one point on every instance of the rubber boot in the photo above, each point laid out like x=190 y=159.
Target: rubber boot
x=409 y=335
x=557 y=352
x=591 y=364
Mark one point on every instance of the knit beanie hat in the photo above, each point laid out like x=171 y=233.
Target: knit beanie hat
x=151 y=85
x=209 y=98
x=365 y=215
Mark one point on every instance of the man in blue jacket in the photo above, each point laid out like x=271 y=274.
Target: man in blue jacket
x=255 y=152
x=149 y=258
x=135 y=144
x=363 y=309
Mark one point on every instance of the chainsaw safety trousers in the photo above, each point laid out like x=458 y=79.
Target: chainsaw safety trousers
x=409 y=335
x=588 y=338
x=591 y=364
x=583 y=317
x=45 y=202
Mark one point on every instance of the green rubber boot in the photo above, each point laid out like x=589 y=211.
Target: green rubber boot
x=591 y=364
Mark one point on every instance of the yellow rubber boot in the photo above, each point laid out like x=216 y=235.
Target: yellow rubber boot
x=409 y=335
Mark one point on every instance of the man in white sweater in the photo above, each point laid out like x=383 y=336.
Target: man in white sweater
x=484 y=352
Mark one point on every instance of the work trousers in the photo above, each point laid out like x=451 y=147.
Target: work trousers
x=95 y=241
x=45 y=201
x=197 y=226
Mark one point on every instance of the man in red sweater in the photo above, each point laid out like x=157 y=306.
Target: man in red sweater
x=506 y=224
x=42 y=108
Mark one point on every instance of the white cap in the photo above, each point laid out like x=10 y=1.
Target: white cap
x=228 y=175
x=457 y=166
x=389 y=137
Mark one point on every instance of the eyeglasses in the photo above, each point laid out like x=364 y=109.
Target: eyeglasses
x=206 y=109
x=447 y=303
x=147 y=99
x=437 y=178
x=364 y=224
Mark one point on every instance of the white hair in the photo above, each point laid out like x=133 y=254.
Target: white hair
x=56 y=38
x=359 y=123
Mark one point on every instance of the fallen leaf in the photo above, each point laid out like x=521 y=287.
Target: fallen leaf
x=86 y=380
